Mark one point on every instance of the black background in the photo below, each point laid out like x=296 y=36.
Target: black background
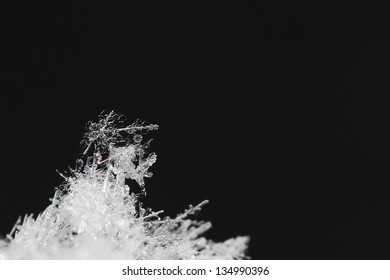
x=275 y=111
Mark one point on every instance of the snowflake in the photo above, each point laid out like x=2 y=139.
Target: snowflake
x=94 y=215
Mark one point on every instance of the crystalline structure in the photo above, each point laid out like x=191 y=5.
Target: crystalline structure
x=94 y=215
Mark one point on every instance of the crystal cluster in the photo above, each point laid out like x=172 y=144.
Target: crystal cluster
x=95 y=215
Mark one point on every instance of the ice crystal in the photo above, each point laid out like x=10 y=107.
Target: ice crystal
x=95 y=215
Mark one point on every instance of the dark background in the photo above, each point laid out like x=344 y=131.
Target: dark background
x=275 y=111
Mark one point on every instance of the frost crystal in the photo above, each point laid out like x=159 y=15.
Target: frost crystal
x=94 y=215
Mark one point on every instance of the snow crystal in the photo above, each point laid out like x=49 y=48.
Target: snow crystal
x=95 y=215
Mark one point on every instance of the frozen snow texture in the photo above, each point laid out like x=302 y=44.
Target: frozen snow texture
x=94 y=215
